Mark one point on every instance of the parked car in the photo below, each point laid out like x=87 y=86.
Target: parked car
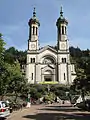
x=4 y=109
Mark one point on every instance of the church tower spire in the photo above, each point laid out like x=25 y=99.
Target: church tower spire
x=62 y=32
x=61 y=12
x=34 y=12
x=33 y=32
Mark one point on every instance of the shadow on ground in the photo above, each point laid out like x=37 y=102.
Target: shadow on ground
x=57 y=116
x=63 y=115
x=61 y=108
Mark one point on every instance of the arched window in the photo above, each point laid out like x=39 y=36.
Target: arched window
x=63 y=60
x=31 y=60
x=65 y=30
x=33 y=30
x=36 y=30
x=62 y=30
x=32 y=76
x=48 y=60
x=64 y=76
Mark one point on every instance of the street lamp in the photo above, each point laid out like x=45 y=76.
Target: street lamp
x=67 y=93
x=29 y=100
x=48 y=87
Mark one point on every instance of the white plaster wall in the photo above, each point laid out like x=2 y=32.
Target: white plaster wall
x=69 y=74
x=68 y=58
x=73 y=68
x=66 y=43
x=35 y=44
x=72 y=73
x=36 y=68
x=29 y=56
x=62 y=70
x=60 y=56
x=27 y=72
x=30 y=70
x=38 y=73
x=63 y=37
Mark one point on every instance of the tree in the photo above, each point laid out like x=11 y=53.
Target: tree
x=2 y=50
x=17 y=82
x=81 y=83
x=75 y=52
x=4 y=79
x=2 y=44
x=12 y=54
x=3 y=70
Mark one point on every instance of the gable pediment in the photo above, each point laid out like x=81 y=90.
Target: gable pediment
x=47 y=48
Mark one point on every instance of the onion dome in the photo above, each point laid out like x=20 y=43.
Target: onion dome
x=61 y=19
x=34 y=20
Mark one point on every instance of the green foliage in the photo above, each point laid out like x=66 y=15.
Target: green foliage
x=81 y=84
x=50 y=96
x=37 y=91
x=11 y=78
x=4 y=78
x=2 y=50
x=12 y=54
x=3 y=69
x=2 y=44
x=60 y=91
x=17 y=81
x=75 y=52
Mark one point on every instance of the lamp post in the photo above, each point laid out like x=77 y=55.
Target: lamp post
x=29 y=100
x=67 y=93
x=48 y=88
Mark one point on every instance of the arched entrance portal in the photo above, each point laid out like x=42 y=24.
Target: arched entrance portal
x=48 y=75
x=48 y=68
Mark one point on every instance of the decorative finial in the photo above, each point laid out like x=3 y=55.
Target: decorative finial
x=61 y=12
x=34 y=12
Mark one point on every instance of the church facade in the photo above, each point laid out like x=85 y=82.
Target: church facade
x=49 y=64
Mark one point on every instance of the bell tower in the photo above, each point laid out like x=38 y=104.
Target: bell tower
x=33 y=32
x=62 y=41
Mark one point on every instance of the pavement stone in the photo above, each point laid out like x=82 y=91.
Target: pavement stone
x=50 y=112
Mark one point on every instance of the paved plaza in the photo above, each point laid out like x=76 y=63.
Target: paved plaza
x=50 y=112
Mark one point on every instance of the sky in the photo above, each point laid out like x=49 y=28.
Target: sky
x=15 y=14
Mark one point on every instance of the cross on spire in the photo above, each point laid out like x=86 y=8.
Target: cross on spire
x=34 y=12
x=61 y=12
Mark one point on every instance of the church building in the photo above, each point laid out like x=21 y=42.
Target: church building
x=49 y=64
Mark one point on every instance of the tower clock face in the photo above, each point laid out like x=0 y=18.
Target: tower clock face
x=63 y=45
x=32 y=45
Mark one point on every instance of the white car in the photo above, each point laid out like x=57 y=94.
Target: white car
x=4 y=109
